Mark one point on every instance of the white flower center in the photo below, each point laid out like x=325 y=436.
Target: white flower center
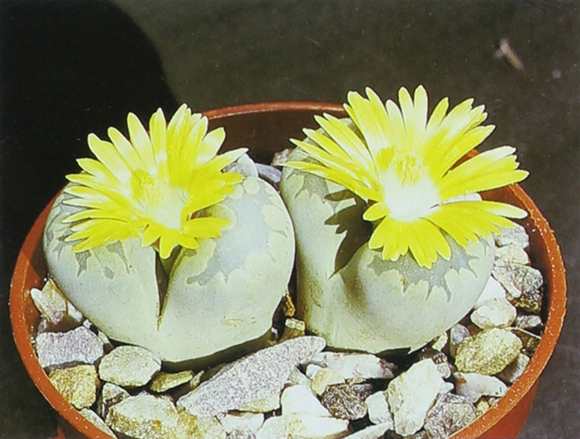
x=408 y=190
x=160 y=201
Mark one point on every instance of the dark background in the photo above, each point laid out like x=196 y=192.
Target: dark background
x=68 y=68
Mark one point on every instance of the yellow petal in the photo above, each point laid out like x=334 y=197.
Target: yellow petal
x=347 y=139
x=108 y=155
x=141 y=142
x=488 y=170
x=210 y=145
x=376 y=211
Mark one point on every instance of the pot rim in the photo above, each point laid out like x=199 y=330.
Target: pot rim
x=555 y=281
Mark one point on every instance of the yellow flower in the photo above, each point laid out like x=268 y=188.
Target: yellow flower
x=404 y=165
x=155 y=185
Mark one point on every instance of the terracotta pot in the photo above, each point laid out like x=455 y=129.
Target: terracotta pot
x=265 y=129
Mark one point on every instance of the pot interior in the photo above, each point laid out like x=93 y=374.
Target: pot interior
x=265 y=130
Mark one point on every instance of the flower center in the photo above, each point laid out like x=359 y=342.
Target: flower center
x=158 y=200
x=408 y=190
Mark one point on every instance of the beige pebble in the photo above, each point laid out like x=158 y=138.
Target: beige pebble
x=129 y=366
x=488 y=352
x=164 y=381
x=78 y=384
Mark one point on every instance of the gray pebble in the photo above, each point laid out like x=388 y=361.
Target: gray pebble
x=456 y=335
x=344 y=402
x=78 y=346
x=515 y=369
x=516 y=235
x=254 y=377
x=513 y=253
x=449 y=414
x=528 y=322
x=269 y=173
x=517 y=279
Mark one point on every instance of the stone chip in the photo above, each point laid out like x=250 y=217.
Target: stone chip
x=515 y=235
x=300 y=399
x=495 y=313
x=143 y=416
x=149 y=417
x=325 y=377
x=248 y=423
x=411 y=394
x=77 y=346
x=111 y=394
x=77 y=384
x=293 y=328
x=60 y=314
x=269 y=173
x=256 y=376
x=379 y=410
x=363 y=366
x=488 y=352
x=528 y=322
x=457 y=334
x=129 y=366
x=473 y=386
x=517 y=279
x=263 y=405
x=515 y=370
x=303 y=426
x=344 y=402
x=164 y=381
x=513 y=253
x=439 y=358
x=449 y=414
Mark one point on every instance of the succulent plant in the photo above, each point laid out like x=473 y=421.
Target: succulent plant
x=160 y=246
x=394 y=243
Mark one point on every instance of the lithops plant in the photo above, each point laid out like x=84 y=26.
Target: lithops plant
x=394 y=242
x=160 y=246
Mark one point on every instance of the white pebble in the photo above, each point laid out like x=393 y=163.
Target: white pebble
x=300 y=399
x=411 y=394
x=473 y=386
x=379 y=410
x=372 y=432
x=304 y=426
x=242 y=422
x=495 y=313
